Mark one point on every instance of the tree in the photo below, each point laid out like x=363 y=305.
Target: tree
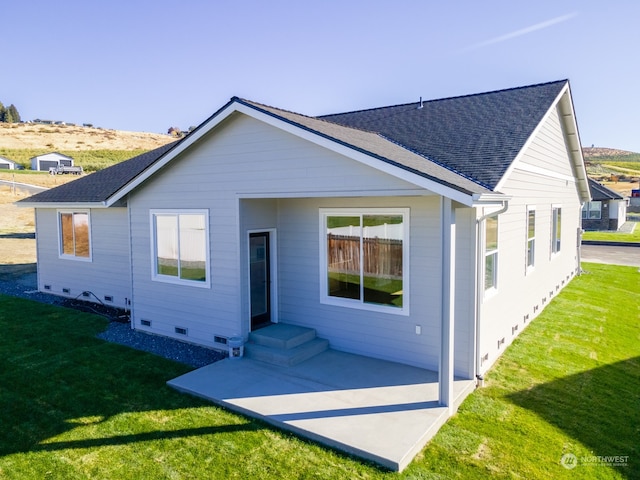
x=2 y=110
x=14 y=114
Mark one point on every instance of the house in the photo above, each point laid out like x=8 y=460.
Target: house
x=607 y=209
x=428 y=233
x=6 y=164
x=54 y=159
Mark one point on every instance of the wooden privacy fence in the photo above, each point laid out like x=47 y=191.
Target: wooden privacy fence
x=382 y=256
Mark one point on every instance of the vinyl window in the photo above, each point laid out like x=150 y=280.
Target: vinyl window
x=180 y=247
x=75 y=235
x=364 y=258
x=556 y=228
x=592 y=211
x=531 y=238
x=491 y=253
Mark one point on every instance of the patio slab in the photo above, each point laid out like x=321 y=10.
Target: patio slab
x=381 y=411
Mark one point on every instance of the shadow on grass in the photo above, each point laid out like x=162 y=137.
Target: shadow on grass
x=55 y=373
x=600 y=408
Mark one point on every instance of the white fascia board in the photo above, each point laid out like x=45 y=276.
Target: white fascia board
x=517 y=162
x=174 y=152
x=490 y=199
x=61 y=205
x=300 y=132
x=358 y=156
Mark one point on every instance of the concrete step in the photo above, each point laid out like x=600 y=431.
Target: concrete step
x=282 y=336
x=286 y=357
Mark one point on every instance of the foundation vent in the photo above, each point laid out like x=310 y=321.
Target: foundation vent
x=66 y=290
x=221 y=340
x=180 y=330
x=500 y=342
x=47 y=287
x=108 y=298
x=514 y=329
x=145 y=323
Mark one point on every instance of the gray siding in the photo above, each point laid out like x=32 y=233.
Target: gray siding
x=521 y=295
x=108 y=272
x=246 y=158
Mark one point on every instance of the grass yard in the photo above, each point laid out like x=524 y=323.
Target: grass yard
x=609 y=236
x=73 y=406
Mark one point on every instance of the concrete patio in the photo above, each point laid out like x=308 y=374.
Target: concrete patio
x=381 y=411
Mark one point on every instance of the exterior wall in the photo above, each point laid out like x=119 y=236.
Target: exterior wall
x=6 y=164
x=522 y=294
x=44 y=162
x=108 y=272
x=252 y=176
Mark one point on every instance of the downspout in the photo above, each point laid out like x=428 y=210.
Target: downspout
x=480 y=283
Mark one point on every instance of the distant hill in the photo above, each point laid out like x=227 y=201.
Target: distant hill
x=598 y=153
x=31 y=136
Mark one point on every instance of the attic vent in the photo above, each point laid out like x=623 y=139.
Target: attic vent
x=108 y=298
x=66 y=290
x=218 y=339
x=145 y=323
x=181 y=330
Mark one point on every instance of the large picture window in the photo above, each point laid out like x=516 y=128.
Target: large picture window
x=556 y=229
x=180 y=253
x=75 y=241
x=364 y=258
x=491 y=253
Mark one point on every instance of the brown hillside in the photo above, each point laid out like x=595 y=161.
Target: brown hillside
x=67 y=137
x=595 y=152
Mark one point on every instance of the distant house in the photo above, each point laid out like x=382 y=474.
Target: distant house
x=427 y=233
x=607 y=209
x=6 y=164
x=54 y=159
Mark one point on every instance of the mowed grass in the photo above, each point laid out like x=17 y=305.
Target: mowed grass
x=609 y=236
x=72 y=406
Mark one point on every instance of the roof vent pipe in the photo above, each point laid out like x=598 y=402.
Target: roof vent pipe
x=421 y=104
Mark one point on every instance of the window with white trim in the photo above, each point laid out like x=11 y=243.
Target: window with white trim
x=491 y=253
x=592 y=211
x=180 y=246
x=556 y=228
x=75 y=234
x=531 y=237
x=364 y=258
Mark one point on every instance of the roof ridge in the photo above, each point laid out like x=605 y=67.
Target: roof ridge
x=453 y=97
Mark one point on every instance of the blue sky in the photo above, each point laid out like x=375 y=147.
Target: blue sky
x=147 y=65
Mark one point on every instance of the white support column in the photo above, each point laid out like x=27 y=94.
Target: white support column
x=448 y=300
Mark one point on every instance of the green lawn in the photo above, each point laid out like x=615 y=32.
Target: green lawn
x=609 y=236
x=73 y=406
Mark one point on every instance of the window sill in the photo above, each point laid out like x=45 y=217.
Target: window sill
x=369 y=307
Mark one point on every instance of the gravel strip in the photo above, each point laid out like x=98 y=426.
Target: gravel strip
x=121 y=332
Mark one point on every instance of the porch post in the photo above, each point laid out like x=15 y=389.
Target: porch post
x=445 y=372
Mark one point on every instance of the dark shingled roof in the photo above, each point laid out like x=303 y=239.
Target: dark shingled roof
x=465 y=143
x=600 y=192
x=477 y=136
x=99 y=186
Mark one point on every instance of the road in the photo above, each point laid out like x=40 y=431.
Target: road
x=30 y=189
x=609 y=254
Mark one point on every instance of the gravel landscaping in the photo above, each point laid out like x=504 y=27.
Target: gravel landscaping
x=119 y=330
